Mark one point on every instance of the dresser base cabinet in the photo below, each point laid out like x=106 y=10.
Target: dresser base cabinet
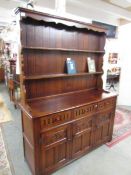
x=48 y=146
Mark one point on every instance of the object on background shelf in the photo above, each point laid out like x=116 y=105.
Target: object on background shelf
x=30 y=4
x=7 y=51
x=1 y=61
x=91 y=65
x=114 y=70
x=113 y=58
x=71 y=66
x=1 y=45
x=14 y=57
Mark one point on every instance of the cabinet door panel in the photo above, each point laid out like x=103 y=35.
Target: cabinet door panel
x=103 y=127
x=56 y=156
x=55 y=148
x=82 y=136
x=49 y=157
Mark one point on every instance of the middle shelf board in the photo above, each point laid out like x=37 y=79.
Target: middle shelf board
x=35 y=77
x=63 y=49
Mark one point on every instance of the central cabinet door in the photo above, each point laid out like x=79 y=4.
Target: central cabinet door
x=103 y=127
x=82 y=136
x=55 y=148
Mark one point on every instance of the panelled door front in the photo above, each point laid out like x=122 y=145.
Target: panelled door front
x=55 y=148
x=103 y=127
x=82 y=136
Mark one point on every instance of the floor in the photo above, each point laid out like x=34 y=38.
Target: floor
x=102 y=161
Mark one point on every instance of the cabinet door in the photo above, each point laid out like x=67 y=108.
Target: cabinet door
x=82 y=136
x=103 y=127
x=55 y=148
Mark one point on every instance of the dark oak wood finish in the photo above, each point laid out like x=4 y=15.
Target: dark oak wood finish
x=63 y=116
x=2 y=74
x=13 y=84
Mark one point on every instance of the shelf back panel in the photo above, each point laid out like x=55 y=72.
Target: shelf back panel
x=52 y=35
x=48 y=87
x=38 y=62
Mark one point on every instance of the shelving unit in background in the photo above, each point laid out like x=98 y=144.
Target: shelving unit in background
x=113 y=72
x=2 y=74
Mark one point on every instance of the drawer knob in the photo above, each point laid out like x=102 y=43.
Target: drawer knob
x=98 y=126
x=96 y=106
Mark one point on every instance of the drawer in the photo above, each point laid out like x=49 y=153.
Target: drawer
x=85 y=110
x=106 y=104
x=55 y=119
x=82 y=125
x=55 y=136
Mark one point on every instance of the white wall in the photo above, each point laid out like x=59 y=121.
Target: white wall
x=124 y=97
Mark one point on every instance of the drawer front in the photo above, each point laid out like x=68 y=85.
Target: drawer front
x=106 y=104
x=55 y=136
x=103 y=126
x=85 y=110
x=55 y=119
x=82 y=125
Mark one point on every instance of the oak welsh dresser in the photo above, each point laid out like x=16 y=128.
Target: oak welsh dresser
x=64 y=116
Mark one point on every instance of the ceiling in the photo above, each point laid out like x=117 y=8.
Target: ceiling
x=125 y=4
x=107 y=11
